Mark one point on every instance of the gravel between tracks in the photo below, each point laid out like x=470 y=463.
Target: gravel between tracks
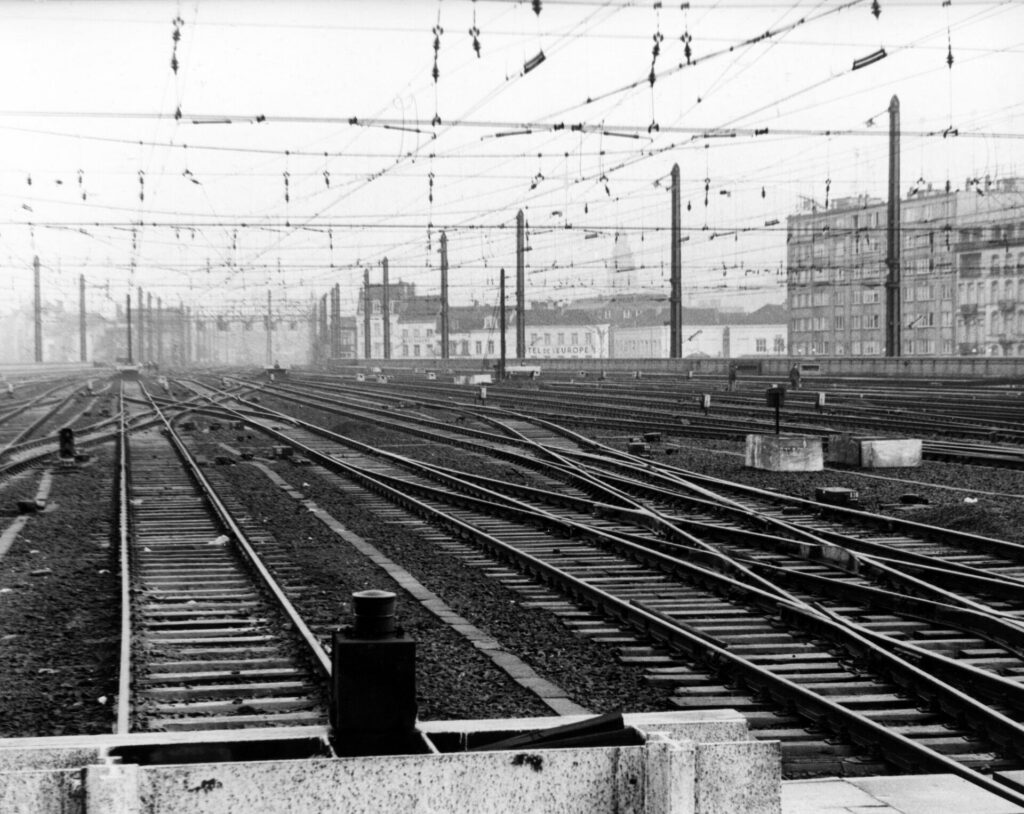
x=59 y=627
x=59 y=609
x=978 y=499
x=455 y=681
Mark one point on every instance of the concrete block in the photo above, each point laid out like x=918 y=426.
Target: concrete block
x=689 y=763
x=843 y=449
x=742 y=776
x=45 y=753
x=43 y=791
x=671 y=775
x=886 y=453
x=572 y=781
x=112 y=788
x=873 y=453
x=784 y=453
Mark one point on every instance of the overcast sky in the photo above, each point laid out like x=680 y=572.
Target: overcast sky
x=237 y=197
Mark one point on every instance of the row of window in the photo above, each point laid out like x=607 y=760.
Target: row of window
x=921 y=347
x=574 y=338
x=1001 y=232
x=458 y=347
x=998 y=323
x=1007 y=290
x=778 y=345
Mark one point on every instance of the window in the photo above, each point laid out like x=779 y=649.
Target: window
x=465 y=347
x=479 y=348
x=761 y=345
x=574 y=339
x=405 y=334
x=779 y=344
x=405 y=350
x=415 y=350
x=840 y=322
x=871 y=320
x=490 y=346
x=534 y=338
x=561 y=338
x=587 y=337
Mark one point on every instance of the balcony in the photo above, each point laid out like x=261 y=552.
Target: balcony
x=969 y=312
x=1007 y=306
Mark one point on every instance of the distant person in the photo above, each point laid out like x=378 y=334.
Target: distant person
x=732 y=377
x=794 y=376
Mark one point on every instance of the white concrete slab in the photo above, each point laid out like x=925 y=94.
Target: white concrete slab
x=902 y=794
x=934 y=793
x=784 y=453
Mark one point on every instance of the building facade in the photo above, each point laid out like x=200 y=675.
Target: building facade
x=950 y=243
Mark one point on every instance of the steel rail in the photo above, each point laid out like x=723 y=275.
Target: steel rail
x=824 y=540
x=899 y=748
x=320 y=657
x=123 y=722
x=1005 y=548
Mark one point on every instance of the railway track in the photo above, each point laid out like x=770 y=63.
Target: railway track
x=213 y=641
x=837 y=698
x=955 y=437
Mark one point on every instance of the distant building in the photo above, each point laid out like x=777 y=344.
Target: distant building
x=960 y=260
x=705 y=333
x=622 y=326
x=989 y=249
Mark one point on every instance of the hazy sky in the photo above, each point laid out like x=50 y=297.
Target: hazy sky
x=312 y=136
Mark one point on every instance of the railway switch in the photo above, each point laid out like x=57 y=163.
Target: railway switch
x=373 y=683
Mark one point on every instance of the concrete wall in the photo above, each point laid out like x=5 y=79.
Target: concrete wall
x=778 y=367
x=682 y=763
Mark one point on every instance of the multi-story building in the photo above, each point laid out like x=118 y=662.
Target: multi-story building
x=990 y=271
x=837 y=273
